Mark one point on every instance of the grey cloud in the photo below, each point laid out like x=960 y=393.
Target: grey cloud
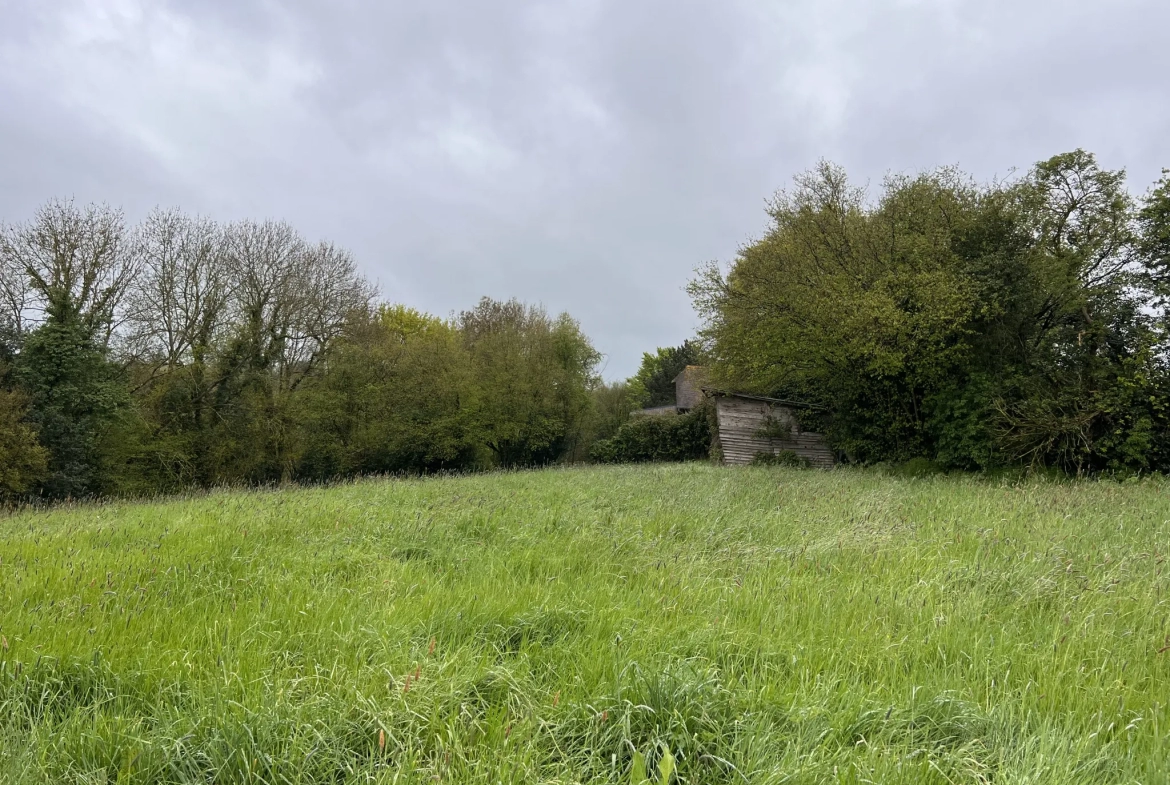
x=584 y=154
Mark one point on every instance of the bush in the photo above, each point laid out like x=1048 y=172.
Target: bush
x=23 y=461
x=1020 y=322
x=918 y=467
x=782 y=458
x=664 y=437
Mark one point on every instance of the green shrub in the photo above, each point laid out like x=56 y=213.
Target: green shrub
x=664 y=437
x=918 y=467
x=782 y=458
x=23 y=461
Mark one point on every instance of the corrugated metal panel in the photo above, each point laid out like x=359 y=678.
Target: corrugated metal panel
x=742 y=419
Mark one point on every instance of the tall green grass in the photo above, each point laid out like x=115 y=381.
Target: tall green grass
x=684 y=623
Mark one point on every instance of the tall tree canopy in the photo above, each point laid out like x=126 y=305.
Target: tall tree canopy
x=532 y=376
x=179 y=352
x=66 y=274
x=974 y=324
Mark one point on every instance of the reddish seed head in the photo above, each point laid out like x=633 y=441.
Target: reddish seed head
x=406 y=684
x=417 y=672
x=557 y=698
x=604 y=716
x=431 y=648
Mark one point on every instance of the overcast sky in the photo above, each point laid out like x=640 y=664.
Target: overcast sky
x=583 y=154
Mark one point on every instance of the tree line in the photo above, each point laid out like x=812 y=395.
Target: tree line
x=975 y=325
x=183 y=353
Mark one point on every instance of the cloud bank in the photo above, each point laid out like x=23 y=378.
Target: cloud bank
x=586 y=154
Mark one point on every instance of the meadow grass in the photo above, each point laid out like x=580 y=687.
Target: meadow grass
x=760 y=625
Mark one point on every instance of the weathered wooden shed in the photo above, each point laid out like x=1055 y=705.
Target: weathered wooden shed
x=688 y=393
x=750 y=425
x=688 y=387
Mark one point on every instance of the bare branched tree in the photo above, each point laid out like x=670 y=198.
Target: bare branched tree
x=263 y=260
x=177 y=309
x=290 y=299
x=77 y=264
x=15 y=294
x=331 y=289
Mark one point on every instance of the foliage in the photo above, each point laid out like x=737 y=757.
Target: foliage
x=759 y=624
x=74 y=394
x=398 y=396
x=71 y=264
x=658 y=437
x=23 y=461
x=532 y=376
x=782 y=458
x=653 y=384
x=974 y=325
x=64 y=274
x=612 y=404
x=181 y=352
x=1154 y=236
x=609 y=409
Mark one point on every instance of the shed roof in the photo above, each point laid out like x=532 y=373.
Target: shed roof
x=713 y=391
x=690 y=371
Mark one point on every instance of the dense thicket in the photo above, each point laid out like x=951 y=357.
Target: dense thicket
x=658 y=437
x=182 y=353
x=977 y=325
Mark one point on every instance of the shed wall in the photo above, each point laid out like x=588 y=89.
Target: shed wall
x=742 y=419
x=688 y=391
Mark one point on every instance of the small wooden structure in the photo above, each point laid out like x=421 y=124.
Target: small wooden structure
x=750 y=425
x=688 y=387
x=688 y=393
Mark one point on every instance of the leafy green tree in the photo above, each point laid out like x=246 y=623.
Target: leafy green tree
x=532 y=374
x=1154 y=232
x=970 y=324
x=1090 y=344
x=396 y=396
x=183 y=353
x=653 y=384
x=854 y=306
x=612 y=404
x=224 y=326
x=76 y=266
x=609 y=409
x=23 y=461
x=75 y=394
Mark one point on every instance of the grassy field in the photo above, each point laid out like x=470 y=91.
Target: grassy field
x=741 y=625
